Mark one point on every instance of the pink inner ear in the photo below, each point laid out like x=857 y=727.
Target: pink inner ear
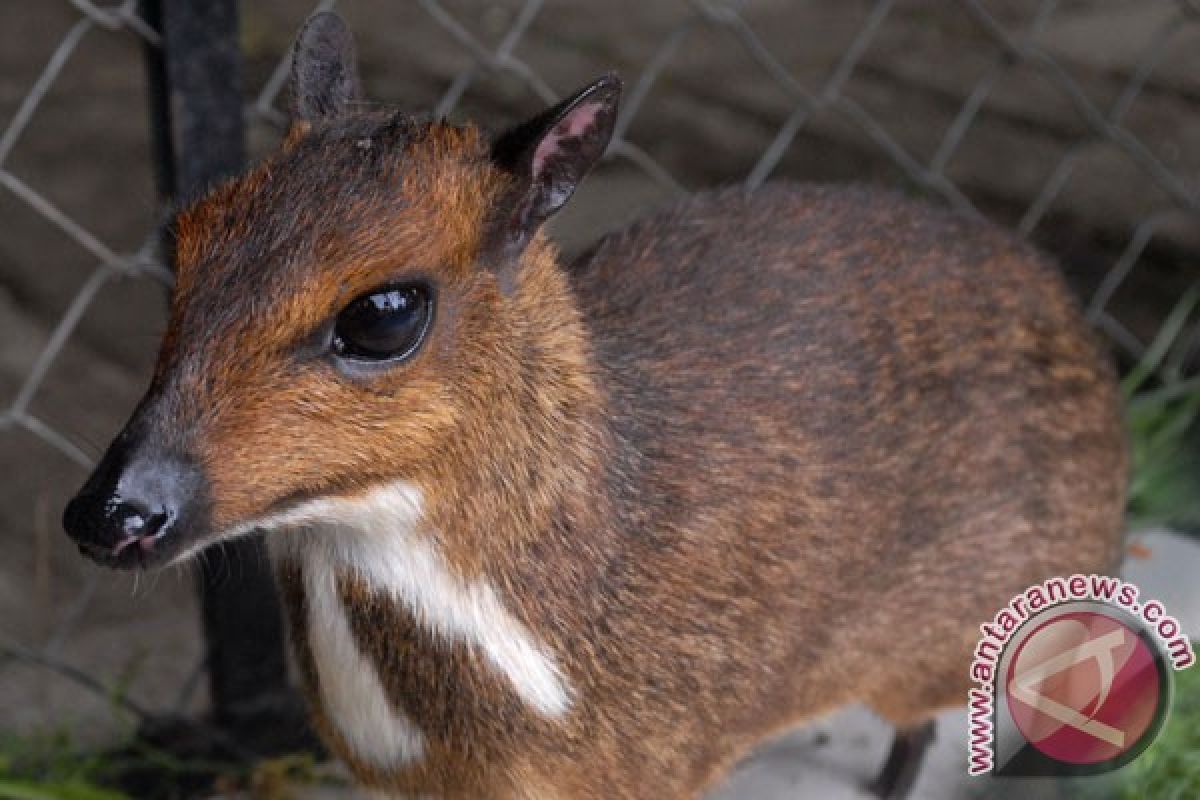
x=574 y=124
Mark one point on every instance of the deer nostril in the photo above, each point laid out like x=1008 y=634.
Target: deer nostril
x=155 y=524
x=136 y=522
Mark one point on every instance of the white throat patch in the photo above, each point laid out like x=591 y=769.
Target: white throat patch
x=376 y=536
x=351 y=692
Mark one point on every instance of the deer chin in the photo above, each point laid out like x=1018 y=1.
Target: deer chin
x=393 y=506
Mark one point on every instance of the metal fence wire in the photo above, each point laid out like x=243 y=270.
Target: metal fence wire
x=1011 y=42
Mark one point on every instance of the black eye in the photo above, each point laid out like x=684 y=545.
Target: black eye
x=385 y=324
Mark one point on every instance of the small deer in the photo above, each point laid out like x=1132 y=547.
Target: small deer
x=595 y=530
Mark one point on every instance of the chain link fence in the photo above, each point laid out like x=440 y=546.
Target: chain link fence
x=1140 y=130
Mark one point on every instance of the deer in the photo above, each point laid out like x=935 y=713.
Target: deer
x=596 y=529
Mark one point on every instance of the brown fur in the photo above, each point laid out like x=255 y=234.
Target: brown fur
x=745 y=462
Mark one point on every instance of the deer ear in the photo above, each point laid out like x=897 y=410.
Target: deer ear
x=549 y=155
x=324 y=69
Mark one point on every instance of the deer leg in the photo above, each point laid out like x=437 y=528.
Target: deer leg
x=899 y=773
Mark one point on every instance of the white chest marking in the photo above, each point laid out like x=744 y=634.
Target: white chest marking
x=375 y=535
x=351 y=692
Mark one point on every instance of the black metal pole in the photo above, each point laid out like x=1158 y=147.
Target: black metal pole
x=198 y=137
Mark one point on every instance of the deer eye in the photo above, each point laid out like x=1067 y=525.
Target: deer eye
x=388 y=323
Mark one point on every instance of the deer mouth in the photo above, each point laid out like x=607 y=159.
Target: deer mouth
x=131 y=552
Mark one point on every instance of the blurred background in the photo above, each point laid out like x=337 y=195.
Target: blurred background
x=1074 y=123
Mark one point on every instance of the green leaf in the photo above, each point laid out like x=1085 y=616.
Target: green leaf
x=1167 y=336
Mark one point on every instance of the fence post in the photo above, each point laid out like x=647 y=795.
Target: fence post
x=198 y=132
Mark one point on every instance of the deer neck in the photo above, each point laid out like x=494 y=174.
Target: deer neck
x=475 y=568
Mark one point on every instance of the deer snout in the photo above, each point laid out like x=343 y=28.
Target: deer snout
x=139 y=508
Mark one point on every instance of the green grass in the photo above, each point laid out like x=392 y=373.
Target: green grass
x=1163 y=408
x=1170 y=768
x=48 y=767
x=51 y=767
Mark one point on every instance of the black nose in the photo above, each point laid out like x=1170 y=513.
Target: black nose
x=129 y=512
x=105 y=528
